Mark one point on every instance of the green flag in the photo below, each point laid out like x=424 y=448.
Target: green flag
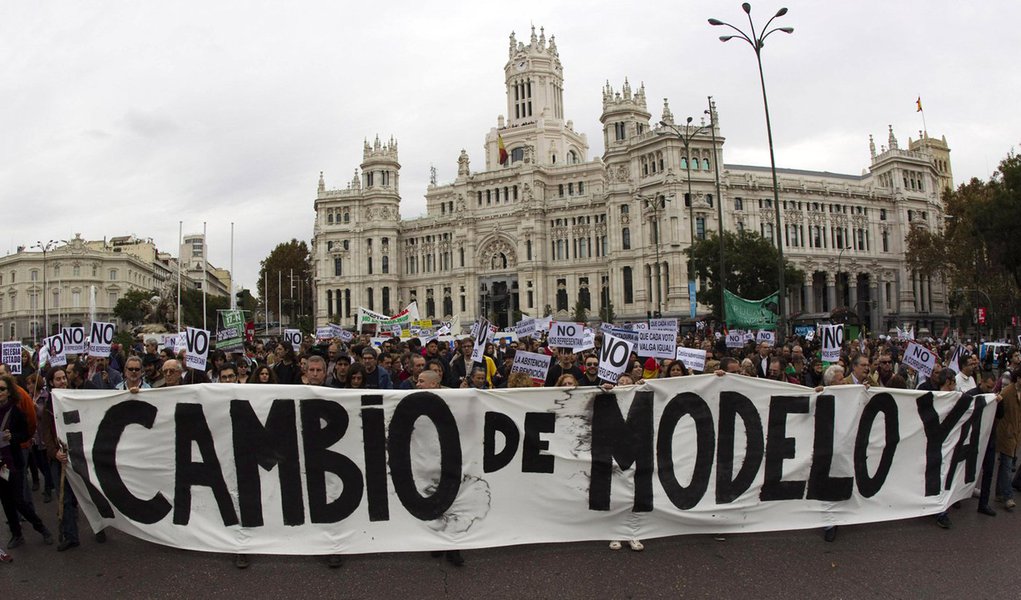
x=751 y=314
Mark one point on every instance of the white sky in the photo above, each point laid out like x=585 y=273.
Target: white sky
x=127 y=117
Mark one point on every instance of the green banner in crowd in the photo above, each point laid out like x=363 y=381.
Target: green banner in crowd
x=751 y=314
x=230 y=335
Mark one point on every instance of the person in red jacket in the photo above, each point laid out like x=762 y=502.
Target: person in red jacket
x=14 y=432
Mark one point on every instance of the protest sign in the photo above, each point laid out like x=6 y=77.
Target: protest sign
x=920 y=359
x=293 y=337
x=197 y=348
x=101 y=338
x=74 y=340
x=588 y=341
x=483 y=333
x=619 y=332
x=283 y=469
x=657 y=344
x=693 y=358
x=324 y=333
x=613 y=357
x=11 y=352
x=832 y=341
x=54 y=346
x=230 y=334
x=535 y=365
x=735 y=339
x=566 y=335
x=765 y=336
x=525 y=327
x=663 y=324
x=954 y=363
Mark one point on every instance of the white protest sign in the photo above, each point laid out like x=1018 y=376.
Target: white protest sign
x=663 y=324
x=693 y=358
x=955 y=360
x=74 y=339
x=293 y=337
x=657 y=344
x=566 y=335
x=484 y=333
x=810 y=336
x=749 y=336
x=395 y=330
x=535 y=365
x=101 y=338
x=589 y=343
x=180 y=342
x=525 y=327
x=335 y=330
x=766 y=336
x=11 y=352
x=639 y=326
x=735 y=339
x=55 y=348
x=832 y=342
x=613 y=357
x=324 y=333
x=197 y=347
x=920 y=359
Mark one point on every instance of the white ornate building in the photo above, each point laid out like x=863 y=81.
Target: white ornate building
x=552 y=227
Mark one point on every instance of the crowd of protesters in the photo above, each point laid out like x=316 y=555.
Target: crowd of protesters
x=33 y=456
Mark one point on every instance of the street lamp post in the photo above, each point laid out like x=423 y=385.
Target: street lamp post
x=656 y=204
x=757 y=41
x=686 y=137
x=719 y=210
x=45 y=247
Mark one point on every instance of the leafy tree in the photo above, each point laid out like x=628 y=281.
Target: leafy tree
x=607 y=314
x=973 y=250
x=580 y=314
x=287 y=269
x=191 y=308
x=751 y=267
x=130 y=309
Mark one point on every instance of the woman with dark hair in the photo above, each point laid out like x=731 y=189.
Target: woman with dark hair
x=13 y=433
x=676 y=369
x=356 y=376
x=440 y=367
x=286 y=368
x=263 y=374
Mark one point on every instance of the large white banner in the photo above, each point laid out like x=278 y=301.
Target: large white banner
x=312 y=470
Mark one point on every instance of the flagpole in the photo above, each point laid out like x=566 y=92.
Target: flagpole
x=280 y=303
x=233 y=297
x=180 y=234
x=925 y=129
x=205 y=279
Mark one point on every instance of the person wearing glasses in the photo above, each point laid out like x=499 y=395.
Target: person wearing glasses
x=171 y=373
x=590 y=374
x=859 y=371
x=13 y=432
x=133 y=380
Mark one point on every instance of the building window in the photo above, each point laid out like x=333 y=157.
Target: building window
x=386 y=264
x=338 y=267
x=528 y=249
x=562 y=294
x=386 y=300
x=886 y=241
x=33 y=275
x=625 y=237
x=629 y=288
x=738 y=204
x=517 y=155
x=700 y=228
x=370 y=299
x=347 y=302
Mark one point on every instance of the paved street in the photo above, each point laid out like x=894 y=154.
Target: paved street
x=902 y=559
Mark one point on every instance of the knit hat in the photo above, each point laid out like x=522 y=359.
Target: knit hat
x=651 y=368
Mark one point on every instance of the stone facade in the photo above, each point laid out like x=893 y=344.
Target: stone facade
x=550 y=227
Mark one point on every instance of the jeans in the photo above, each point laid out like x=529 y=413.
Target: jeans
x=1003 y=473
x=988 y=462
x=69 y=519
x=13 y=499
x=42 y=462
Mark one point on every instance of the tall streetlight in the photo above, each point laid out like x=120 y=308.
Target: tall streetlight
x=757 y=41
x=45 y=247
x=685 y=137
x=654 y=205
x=711 y=111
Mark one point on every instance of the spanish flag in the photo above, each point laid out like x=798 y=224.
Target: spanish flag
x=918 y=104
x=502 y=148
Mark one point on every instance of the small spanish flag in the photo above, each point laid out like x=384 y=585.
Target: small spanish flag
x=918 y=103
x=502 y=148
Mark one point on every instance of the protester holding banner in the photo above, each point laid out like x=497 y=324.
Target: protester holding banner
x=285 y=368
x=14 y=431
x=57 y=452
x=375 y=378
x=564 y=365
x=172 y=373
x=104 y=376
x=859 y=371
x=676 y=369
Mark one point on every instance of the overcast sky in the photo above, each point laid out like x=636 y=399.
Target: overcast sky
x=124 y=118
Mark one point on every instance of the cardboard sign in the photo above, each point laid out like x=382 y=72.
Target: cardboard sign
x=54 y=346
x=657 y=344
x=663 y=324
x=197 y=348
x=566 y=335
x=11 y=356
x=613 y=357
x=693 y=358
x=920 y=359
x=832 y=342
x=74 y=340
x=293 y=337
x=101 y=338
x=735 y=339
x=534 y=364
